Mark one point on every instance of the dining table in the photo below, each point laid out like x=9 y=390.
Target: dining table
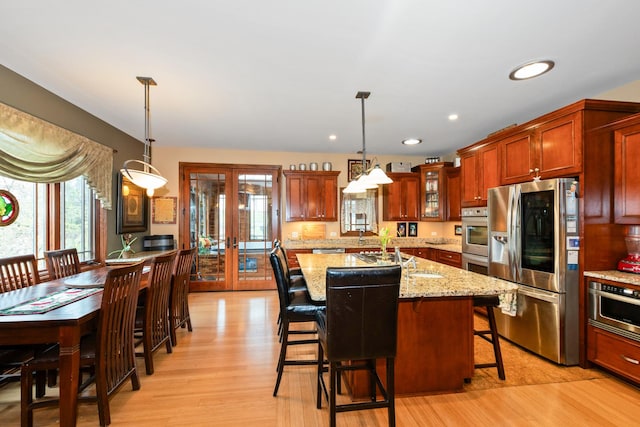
x=58 y=311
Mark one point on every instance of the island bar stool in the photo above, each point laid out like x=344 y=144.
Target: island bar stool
x=491 y=334
x=62 y=263
x=291 y=311
x=360 y=325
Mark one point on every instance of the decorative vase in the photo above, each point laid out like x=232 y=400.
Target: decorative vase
x=125 y=254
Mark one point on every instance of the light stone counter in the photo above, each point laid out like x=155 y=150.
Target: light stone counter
x=615 y=275
x=454 y=281
x=372 y=243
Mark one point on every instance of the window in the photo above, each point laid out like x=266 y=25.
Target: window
x=359 y=213
x=44 y=224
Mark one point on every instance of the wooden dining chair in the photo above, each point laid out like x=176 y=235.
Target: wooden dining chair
x=18 y=272
x=152 y=318
x=15 y=273
x=179 y=316
x=62 y=263
x=109 y=353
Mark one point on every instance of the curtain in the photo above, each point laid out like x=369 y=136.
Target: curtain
x=34 y=150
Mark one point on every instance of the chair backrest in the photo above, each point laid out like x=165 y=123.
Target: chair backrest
x=181 y=276
x=280 y=270
x=115 y=353
x=362 y=312
x=18 y=272
x=62 y=263
x=157 y=302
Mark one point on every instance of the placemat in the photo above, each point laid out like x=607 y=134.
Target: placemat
x=49 y=302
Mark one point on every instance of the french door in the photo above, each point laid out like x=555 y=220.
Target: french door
x=231 y=214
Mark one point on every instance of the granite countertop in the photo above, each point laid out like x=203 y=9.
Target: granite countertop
x=615 y=275
x=372 y=243
x=454 y=281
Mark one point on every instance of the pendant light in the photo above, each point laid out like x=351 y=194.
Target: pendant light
x=149 y=177
x=369 y=179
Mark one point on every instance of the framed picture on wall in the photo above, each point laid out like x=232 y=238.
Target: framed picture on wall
x=354 y=168
x=132 y=210
x=413 y=229
x=402 y=229
x=164 y=210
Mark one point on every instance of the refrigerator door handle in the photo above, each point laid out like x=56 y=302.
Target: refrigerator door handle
x=515 y=232
x=541 y=295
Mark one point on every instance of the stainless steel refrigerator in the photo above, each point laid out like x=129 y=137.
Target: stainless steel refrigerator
x=534 y=242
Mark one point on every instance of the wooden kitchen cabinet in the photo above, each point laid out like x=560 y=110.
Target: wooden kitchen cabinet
x=433 y=190
x=454 y=198
x=550 y=149
x=478 y=172
x=614 y=352
x=627 y=173
x=454 y=259
x=311 y=195
x=401 y=199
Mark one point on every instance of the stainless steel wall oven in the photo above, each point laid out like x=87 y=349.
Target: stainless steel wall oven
x=475 y=231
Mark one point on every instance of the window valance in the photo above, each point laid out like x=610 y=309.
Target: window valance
x=34 y=150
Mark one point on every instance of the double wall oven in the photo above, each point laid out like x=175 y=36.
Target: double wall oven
x=475 y=240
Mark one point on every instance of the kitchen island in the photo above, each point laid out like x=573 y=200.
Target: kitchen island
x=435 y=322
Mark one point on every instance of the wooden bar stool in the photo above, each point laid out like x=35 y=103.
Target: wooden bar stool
x=491 y=334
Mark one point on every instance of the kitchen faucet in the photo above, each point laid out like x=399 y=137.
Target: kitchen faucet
x=411 y=261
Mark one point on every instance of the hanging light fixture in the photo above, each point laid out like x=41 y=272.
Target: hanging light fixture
x=149 y=177
x=369 y=178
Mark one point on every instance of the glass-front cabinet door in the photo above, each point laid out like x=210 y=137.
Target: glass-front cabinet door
x=433 y=191
x=232 y=218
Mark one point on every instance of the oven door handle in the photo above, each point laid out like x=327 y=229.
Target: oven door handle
x=609 y=295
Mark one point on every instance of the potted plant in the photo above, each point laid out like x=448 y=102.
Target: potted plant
x=126 y=251
x=385 y=238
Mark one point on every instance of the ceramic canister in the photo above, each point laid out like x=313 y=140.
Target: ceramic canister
x=313 y=166
x=302 y=166
x=326 y=166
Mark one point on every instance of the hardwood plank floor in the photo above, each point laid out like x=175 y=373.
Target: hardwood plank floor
x=223 y=374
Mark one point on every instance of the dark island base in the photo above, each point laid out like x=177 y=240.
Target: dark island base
x=435 y=348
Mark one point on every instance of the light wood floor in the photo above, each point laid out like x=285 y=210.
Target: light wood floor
x=223 y=374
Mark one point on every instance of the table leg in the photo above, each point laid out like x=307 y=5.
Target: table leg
x=69 y=375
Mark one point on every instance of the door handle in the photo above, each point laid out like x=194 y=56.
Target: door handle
x=228 y=242
x=235 y=243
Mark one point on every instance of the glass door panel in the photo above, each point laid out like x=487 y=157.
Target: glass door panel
x=207 y=225
x=254 y=217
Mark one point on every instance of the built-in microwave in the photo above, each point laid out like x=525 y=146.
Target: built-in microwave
x=475 y=231
x=615 y=308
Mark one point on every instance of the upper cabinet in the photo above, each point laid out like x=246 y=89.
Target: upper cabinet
x=402 y=197
x=311 y=195
x=478 y=173
x=434 y=192
x=454 y=197
x=627 y=173
x=550 y=149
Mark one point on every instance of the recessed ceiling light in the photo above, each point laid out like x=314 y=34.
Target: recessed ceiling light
x=412 y=141
x=453 y=117
x=333 y=137
x=531 y=69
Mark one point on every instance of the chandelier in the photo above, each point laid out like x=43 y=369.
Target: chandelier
x=148 y=177
x=372 y=177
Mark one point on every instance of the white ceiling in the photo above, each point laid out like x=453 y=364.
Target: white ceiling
x=282 y=75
